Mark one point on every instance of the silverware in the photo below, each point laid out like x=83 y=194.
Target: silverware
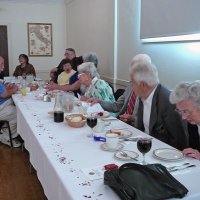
x=125 y=155
x=182 y=168
x=131 y=139
x=170 y=168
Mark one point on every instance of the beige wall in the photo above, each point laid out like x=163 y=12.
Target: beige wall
x=17 y=15
x=90 y=26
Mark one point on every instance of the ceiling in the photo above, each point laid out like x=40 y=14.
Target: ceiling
x=37 y=1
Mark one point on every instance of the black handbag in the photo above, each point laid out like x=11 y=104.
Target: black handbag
x=144 y=182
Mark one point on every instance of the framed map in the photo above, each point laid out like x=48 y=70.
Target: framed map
x=40 y=39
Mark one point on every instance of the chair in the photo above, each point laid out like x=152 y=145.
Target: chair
x=118 y=93
x=5 y=125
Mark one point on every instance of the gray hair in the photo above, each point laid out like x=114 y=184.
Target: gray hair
x=146 y=72
x=140 y=58
x=186 y=91
x=90 y=57
x=88 y=67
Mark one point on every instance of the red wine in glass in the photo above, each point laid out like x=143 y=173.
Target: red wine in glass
x=91 y=122
x=144 y=146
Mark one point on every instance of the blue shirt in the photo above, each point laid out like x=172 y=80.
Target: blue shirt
x=2 y=90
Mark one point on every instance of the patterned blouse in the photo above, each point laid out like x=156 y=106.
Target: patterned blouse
x=101 y=90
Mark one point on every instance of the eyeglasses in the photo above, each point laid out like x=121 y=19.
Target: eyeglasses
x=184 y=113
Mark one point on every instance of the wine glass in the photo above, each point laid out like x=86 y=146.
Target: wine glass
x=91 y=122
x=144 y=146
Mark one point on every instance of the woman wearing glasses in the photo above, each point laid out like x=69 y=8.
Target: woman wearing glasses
x=186 y=96
x=95 y=87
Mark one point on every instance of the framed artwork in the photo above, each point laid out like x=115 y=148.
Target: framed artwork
x=40 y=39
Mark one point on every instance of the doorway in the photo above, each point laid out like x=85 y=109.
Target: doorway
x=4 y=49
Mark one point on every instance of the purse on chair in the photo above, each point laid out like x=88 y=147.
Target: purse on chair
x=144 y=182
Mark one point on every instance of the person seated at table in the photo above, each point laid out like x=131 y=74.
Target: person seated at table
x=155 y=115
x=67 y=74
x=25 y=68
x=8 y=111
x=124 y=105
x=74 y=84
x=70 y=54
x=95 y=87
x=186 y=96
x=91 y=57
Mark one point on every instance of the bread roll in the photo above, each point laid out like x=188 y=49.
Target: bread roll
x=115 y=131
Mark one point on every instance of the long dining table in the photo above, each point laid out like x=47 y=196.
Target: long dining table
x=61 y=154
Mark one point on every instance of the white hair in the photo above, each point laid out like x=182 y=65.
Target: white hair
x=90 y=57
x=186 y=91
x=88 y=67
x=146 y=72
x=140 y=58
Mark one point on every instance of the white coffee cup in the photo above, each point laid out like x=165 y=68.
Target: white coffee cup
x=112 y=140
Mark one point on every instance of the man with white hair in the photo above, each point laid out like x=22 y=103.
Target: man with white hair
x=155 y=115
x=186 y=96
x=124 y=105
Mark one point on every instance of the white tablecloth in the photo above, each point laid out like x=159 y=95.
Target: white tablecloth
x=59 y=153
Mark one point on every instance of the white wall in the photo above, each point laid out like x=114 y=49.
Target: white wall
x=175 y=61
x=17 y=15
x=90 y=27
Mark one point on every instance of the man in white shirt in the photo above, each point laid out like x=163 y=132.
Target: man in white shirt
x=155 y=115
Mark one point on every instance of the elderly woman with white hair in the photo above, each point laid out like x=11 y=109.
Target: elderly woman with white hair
x=95 y=87
x=90 y=57
x=186 y=96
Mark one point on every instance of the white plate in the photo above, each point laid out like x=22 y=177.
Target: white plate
x=125 y=134
x=132 y=155
x=106 y=148
x=168 y=154
x=103 y=114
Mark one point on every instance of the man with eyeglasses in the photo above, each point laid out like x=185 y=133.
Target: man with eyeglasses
x=155 y=115
x=70 y=54
x=186 y=96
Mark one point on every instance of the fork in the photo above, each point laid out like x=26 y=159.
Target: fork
x=125 y=155
x=170 y=168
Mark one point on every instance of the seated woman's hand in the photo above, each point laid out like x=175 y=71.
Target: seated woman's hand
x=52 y=86
x=127 y=118
x=92 y=101
x=192 y=153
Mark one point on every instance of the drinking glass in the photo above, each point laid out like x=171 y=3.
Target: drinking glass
x=144 y=146
x=91 y=122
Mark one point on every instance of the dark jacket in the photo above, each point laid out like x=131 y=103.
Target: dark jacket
x=165 y=123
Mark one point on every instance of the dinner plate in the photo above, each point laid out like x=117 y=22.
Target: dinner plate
x=133 y=155
x=168 y=154
x=125 y=134
x=102 y=114
x=106 y=148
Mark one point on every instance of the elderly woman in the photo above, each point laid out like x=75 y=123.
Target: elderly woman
x=91 y=57
x=25 y=68
x=186 y=96
x=95 y=87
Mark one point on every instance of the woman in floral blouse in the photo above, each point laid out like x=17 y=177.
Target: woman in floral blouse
x=95 y=87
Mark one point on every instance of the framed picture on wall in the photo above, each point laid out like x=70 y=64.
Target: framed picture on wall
x=40 y=39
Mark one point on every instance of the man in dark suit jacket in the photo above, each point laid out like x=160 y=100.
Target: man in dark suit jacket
x=155 y=115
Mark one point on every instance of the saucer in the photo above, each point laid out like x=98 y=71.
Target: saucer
x=106 y=148
x=133 y=155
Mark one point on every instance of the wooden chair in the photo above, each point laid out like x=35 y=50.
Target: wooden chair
x=5 y=125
